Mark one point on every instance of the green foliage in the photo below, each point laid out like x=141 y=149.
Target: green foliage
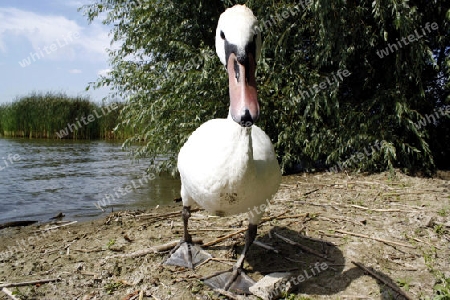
x=439 y=229
x=167 y=70
x=18 y=293
x=404 y=283
x=442 y=288
x=45 y=115
x=111 y=287
x=443 y=212
x=110 y=243
x=442 y=282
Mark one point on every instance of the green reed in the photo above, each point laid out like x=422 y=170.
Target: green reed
x=54 y=116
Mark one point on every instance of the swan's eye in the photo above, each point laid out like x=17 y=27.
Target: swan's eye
x=222 y=35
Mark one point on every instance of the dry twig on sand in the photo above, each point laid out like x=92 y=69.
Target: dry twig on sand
x=265 y=246
x=375 y=239
x=379 y=209
x=304 y=248
x=218 y=240
x=161 y=216
x=310 y=192
x=378 y=277
x=55 y=227
x=29 y=282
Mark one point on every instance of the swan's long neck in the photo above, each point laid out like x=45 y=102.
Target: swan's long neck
x=242 y=153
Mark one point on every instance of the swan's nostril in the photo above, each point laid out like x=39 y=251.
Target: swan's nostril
x=241 y=57
x=246 y=119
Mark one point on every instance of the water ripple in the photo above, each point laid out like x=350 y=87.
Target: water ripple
x=70 y=177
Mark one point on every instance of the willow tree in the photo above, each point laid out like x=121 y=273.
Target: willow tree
x=335 y=77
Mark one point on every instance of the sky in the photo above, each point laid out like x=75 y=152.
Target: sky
x=48 y=46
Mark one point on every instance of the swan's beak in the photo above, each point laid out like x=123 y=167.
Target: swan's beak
x=244 y=107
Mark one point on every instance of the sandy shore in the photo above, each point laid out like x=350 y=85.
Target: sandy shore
x=398 y=229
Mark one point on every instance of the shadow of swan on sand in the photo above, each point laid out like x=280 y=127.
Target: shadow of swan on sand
x=338 y=275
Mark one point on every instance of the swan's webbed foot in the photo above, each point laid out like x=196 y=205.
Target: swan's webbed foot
x=235 y=280
x=187 y=255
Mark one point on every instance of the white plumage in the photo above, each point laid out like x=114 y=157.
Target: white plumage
x=228 y=169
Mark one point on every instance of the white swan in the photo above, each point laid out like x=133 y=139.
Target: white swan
x=228 y=166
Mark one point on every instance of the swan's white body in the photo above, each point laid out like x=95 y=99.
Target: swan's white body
x=228 y=169
x=228 y=166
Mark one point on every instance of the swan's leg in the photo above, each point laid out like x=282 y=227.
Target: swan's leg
x=186 y=254
x=237 y=268
x=236 y=280
x=186 y=214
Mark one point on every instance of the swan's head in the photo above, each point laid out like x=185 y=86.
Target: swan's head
x=238 y=45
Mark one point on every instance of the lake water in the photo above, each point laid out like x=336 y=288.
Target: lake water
x=40 y=178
